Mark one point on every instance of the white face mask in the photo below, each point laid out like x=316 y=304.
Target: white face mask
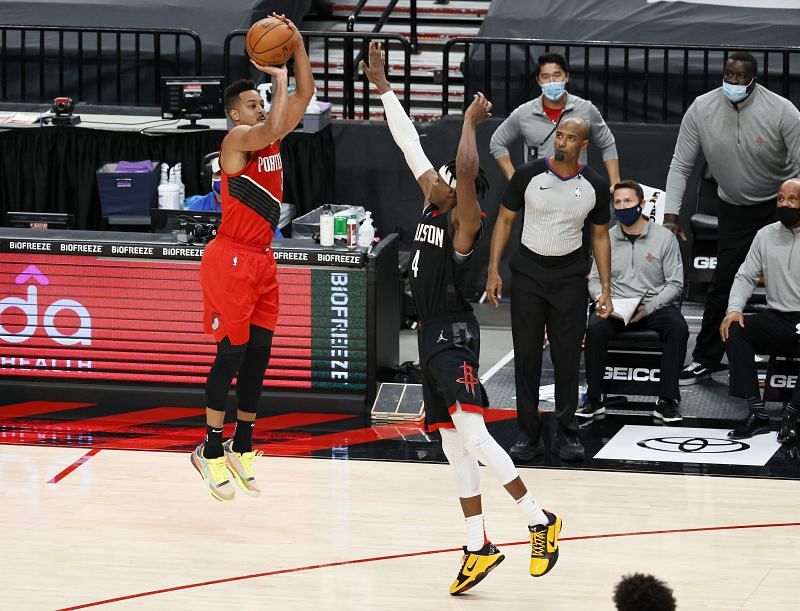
x=735 y=93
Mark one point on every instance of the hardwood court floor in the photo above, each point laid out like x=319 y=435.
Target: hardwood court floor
x=139 y=529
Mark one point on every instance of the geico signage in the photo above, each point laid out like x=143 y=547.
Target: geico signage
x=779 y=380
x=30 y=309
x=705 y=263
x=632 y=374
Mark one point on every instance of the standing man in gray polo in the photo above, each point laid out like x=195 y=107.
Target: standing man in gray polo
x=750 y=137
x=645 y=264
x=558 y=194
x=536 y=121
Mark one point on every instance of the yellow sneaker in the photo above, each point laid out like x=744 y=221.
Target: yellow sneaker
x=241 y=466
x=474 y=567
x=213 y=472
x=544 y=545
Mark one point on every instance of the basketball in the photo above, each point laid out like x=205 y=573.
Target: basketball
x=269 y=42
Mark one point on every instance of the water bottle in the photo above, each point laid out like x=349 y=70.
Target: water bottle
x=326 y=226
x=366 y=233
x=181 y=186
x=164 y=192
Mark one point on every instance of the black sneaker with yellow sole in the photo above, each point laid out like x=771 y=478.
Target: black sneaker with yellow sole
x=544 y=545
x=474 y=567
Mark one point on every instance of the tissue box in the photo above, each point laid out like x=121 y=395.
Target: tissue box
x=315 y=122
x=127 y=193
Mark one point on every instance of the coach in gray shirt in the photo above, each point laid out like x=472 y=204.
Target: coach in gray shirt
x=645 y=264
x=548 y=271
x=775 y=255
x=751 y=140
x=536 y=121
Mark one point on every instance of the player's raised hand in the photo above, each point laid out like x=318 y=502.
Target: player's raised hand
x=375 y=71
x=278 y=72
x=297 y=39
x=479 y=110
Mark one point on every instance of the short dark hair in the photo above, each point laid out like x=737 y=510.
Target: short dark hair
x=233 y=90
x=481 y=180
x=551 y=58
x=638 y=591
x=630 y=184
x=744 y=56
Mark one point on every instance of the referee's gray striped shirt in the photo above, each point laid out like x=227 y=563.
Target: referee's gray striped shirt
x=556 y=207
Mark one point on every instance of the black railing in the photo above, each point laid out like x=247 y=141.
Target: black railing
x=626 y=81
x=116 y=66
x=387 y=12
x=332 y=68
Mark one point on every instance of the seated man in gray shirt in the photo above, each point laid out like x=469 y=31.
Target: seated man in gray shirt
x=645 y=262
x=536 y=121
x=775 y=255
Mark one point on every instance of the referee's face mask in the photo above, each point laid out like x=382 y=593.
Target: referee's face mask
x=627 y=206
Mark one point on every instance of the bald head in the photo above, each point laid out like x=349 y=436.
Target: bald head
x=793 y=183
x=577 y=126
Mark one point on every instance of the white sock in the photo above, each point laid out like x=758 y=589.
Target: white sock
x=475 y=532
x=532 y=511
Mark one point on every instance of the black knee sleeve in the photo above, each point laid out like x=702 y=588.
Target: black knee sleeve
x=226 y=365
x=250 y=381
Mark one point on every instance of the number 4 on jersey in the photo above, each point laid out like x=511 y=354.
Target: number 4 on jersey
x=415 y=264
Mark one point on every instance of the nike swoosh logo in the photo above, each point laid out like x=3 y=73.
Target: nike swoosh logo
x=541 y=188
x=551 y=545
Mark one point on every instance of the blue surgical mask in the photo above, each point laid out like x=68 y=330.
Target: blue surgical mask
x=628 y=216
x=216 y=186
x=553 y=91
x=735 y=93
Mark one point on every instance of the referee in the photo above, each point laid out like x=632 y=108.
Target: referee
x=548 y=273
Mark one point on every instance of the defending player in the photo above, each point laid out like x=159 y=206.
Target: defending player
x=238 y=271
x=449 y=336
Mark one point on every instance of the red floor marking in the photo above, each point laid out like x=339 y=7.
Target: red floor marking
x=33 y=408
x=58 y=477
x=181 y=435
x=312 y=443
x=126 y=420
x=411 y=555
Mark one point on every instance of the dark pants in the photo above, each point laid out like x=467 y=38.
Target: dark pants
x=768 y=332
x=547 y=291
x=737 y=228
x=670 y=325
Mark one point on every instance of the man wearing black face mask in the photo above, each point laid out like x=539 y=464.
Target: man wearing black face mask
x=645 y=261
x=750 y=137
x=775 y=254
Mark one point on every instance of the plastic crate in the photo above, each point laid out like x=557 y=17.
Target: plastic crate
x=307 y=225
x=127 y=193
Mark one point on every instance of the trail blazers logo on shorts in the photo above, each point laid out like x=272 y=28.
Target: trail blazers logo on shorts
x=469 y=380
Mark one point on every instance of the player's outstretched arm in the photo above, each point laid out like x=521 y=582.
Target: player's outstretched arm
x=298 y=100
x=403 y=131
x=467 y=214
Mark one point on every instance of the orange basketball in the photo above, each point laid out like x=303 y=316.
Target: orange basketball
x=269 y=42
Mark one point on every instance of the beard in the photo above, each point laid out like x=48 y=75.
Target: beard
x=559 y=156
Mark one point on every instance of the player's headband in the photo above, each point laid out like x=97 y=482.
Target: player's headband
x=449 y=178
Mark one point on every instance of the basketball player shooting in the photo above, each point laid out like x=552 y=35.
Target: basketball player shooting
x=238 y=271
x=449 y=336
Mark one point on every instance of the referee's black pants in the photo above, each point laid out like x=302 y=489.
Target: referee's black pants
x=737 y=228
x=671 y=327
x=547 y=291
x=768 y=332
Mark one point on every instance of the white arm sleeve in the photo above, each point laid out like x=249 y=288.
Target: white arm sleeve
x=405 y=135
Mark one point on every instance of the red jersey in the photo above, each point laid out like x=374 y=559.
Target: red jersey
x=251 y=199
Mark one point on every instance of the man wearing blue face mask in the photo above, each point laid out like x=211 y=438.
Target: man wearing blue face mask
x=211 y=201
x=645 y=261
x=536 y=121
x=750 y=137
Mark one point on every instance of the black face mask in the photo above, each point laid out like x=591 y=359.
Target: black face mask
x=789 y=216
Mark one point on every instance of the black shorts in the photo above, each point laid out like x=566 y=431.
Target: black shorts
x=449 y=355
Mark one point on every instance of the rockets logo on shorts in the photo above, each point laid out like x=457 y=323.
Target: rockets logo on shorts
x=469 y=380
